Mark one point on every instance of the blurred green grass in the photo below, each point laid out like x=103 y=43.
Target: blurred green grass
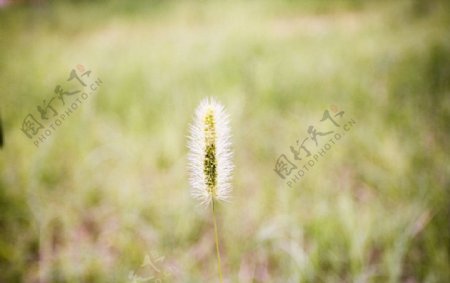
x=110 y=185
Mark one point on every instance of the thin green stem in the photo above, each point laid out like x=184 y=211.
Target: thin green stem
x=217 y=242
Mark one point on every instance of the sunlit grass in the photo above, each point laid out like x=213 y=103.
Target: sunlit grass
x=110 y=185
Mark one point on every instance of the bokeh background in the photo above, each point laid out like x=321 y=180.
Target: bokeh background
x=107 y=193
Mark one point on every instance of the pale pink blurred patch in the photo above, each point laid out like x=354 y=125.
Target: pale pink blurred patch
x=4 y=3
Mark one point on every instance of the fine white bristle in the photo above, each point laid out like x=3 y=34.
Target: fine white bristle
x=210 y=153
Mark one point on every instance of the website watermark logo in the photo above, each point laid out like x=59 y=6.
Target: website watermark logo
x=308 y=151
x=82 y=85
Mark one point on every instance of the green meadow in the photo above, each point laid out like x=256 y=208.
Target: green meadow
x=103 y=194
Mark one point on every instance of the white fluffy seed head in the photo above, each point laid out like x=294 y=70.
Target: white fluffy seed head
x=210 y=153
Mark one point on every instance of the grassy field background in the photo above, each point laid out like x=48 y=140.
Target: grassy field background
x=108 y=189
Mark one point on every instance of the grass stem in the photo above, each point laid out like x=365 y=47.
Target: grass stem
x=217 y=243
